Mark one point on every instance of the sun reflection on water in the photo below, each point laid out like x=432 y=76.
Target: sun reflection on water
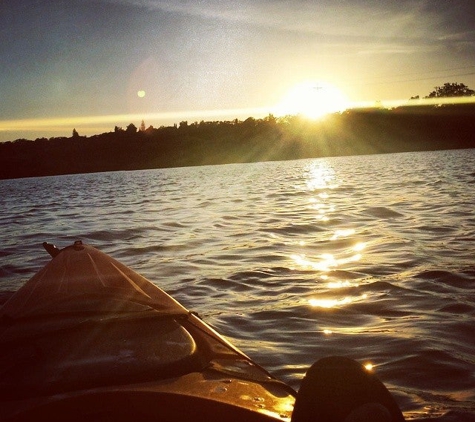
x=339 y=284
x=321 y=176
x=326 y=262
x=336 y=249
x=329 y=303
x=342 y=233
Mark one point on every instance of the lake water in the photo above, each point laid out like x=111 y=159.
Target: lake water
x=370 y=257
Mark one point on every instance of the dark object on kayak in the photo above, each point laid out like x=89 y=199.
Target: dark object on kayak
x=349 y=393
x=87 y=338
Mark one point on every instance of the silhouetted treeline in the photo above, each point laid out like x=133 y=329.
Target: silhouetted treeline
x=354 y=132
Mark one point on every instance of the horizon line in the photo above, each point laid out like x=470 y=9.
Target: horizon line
x=93 y=122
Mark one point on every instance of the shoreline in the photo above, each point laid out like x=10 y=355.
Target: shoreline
x=355 y=132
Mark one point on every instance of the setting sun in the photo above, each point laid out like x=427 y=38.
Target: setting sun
x=313 y=100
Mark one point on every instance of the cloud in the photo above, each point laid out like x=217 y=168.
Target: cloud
x=365 y=22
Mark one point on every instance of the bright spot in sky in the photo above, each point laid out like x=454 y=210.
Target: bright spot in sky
x=141 y=93
x=369 y=366
x=313 y=100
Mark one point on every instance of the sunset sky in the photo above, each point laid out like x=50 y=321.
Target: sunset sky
x=95 y=64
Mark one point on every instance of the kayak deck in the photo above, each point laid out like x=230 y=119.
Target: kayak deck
x=88 y=336
x=77 y=275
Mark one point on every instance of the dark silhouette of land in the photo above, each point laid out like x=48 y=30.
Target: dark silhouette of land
x=354 y=132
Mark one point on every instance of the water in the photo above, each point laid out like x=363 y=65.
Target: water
x=369 y=257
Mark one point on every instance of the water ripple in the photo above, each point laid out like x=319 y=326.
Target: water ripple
x=368 y=257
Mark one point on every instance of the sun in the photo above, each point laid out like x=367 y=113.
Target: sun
x=312 y=99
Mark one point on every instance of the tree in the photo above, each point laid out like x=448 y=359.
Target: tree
x=453 y=89
x=131 y=129
x=75 y=133
x=142 y=126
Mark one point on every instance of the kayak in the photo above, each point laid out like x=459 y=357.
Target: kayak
x=88 y=338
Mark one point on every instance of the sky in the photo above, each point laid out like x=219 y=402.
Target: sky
x=96 y=64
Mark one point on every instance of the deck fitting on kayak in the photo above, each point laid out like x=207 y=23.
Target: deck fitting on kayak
x=51 y=249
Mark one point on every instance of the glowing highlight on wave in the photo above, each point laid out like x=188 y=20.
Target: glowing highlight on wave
x=327 y=303
x=326 y=263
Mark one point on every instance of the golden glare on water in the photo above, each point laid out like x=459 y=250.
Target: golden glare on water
x=337 y=249
x=329 y=303
x=359 y=246
x=312 y=99
x=339 y=284
x=342 y=233
x=326 y=262
x=321 y=176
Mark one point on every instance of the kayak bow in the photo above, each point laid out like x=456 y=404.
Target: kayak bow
x=87 y=338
